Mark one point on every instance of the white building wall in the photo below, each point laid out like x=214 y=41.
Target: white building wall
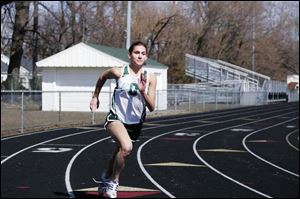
x=3 y=77
x=75 y=71
x=77 y=85
x=49 y=98
x=161 y=87
x=24 y=77
x=24 y=74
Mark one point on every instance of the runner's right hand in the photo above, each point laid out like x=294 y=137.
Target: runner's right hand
x=94 y=104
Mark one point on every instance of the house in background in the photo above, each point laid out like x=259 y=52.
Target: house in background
x=25 y=70
x=293 y=82
x=75 y=71
x=4 y=68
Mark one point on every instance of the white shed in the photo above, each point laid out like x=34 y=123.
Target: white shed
x=70 y=76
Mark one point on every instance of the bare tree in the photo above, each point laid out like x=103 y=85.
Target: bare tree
x=220 y=30
x=34 y=82
x=21 y=20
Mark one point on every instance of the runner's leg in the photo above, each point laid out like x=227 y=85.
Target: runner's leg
x=120 y=135
x=110 y=167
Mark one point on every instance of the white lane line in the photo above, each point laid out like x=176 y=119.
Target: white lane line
x=68 y=170
x=142 y=166
x=287 y=138
x=18 y=152
x=3 y=161
x=219 y=172
x=67 y=177
x=230 y=114
x=262 y=159
x=141 y=147
x=69 y=167
x=62 y=144
x=33 y=133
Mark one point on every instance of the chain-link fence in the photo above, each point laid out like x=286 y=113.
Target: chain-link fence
x=30 y=110
x=21 y=82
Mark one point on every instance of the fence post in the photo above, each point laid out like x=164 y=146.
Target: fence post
x=59 y=102
x=22 y=112
x=216 y=101
x=175 y=100
x=157 y=100
x=203 y=101
x=226 y=97
x=189 y=101
x=93 y=117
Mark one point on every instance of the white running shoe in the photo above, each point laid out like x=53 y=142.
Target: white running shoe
x=110 y=189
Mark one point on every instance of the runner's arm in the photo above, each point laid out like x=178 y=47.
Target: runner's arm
x=113 y=73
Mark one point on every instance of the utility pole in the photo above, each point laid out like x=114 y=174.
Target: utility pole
x=128 y=24
x=253 y=40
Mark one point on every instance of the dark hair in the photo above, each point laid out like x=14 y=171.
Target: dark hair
x=137 y=43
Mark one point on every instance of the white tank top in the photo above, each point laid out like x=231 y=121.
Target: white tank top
x=128 y=103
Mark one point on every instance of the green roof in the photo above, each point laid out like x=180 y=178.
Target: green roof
x=121 y=53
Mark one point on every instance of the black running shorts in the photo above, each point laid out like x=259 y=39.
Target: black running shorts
x=134 y=130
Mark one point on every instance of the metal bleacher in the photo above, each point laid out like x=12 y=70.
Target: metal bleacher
x=224 y=74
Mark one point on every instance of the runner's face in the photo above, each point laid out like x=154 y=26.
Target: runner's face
x=138 y=55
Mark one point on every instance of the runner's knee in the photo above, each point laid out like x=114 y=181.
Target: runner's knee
x=126 y=149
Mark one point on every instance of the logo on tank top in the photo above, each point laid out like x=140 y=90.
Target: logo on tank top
x=133 y=89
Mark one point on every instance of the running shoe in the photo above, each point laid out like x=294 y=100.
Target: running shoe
x=110 y=189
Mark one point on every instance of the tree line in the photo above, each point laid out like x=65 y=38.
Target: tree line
x=258 y=35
